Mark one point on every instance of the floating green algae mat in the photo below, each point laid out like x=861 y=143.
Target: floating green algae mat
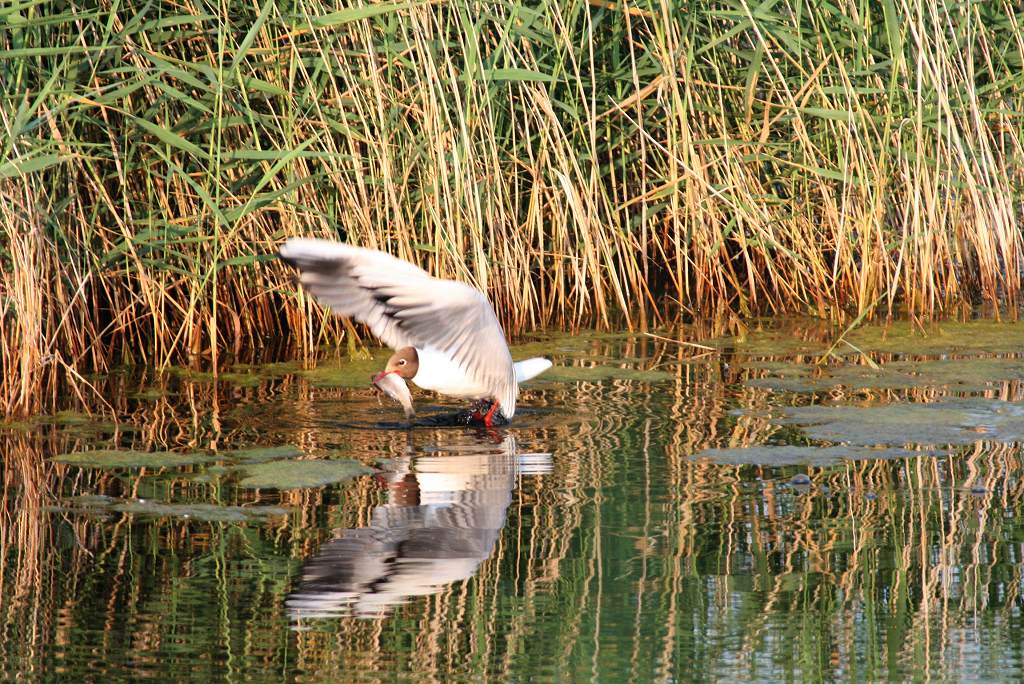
x=942 y=337
x=117 y=458
x=803 y=455
x=601 y=373
x=124 y=458
x=70 y=418
x=274 y=369
x=190 y=374
x=198 y=511
x=954 y=421
x=768 y=343
x=347 y=373
x=97 y=428
x=257 y=454
x=965 y=375
x=241 y=375
x=93 y=504
x=84 y=504
x=69 y=422
x=799 y=337
x=242 y=379
x=90 y=500
x=301 y=474
x=149 y=394
x=18 y=425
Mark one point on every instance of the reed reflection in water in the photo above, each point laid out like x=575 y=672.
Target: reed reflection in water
x=627 y=557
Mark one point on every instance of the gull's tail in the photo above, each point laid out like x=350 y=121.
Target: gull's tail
x=530 y=368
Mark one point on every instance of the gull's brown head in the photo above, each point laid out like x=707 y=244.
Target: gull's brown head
x=405 y=362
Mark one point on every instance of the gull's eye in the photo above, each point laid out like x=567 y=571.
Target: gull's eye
x=401 y=362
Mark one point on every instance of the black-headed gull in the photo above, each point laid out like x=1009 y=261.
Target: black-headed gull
x=445 y=334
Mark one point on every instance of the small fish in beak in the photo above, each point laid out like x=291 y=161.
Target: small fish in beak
x=393 y=385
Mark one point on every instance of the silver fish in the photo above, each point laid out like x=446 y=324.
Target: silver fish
x=394 y=386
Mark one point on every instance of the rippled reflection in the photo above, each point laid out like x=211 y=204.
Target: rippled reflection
x=444 y=512
x=650 y=545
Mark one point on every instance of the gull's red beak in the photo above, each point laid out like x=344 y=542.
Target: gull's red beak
x=377 y=378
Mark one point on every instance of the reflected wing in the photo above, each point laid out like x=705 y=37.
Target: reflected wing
x=406 y=307
x=461 y=492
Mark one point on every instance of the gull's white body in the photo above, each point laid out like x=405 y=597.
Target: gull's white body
x=441 y=373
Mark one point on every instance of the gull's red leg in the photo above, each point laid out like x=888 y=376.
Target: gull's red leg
x=489 y=418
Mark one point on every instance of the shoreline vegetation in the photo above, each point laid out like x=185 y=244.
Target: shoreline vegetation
x=578 y=161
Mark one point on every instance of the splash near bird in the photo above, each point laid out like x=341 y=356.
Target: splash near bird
x=445 y=334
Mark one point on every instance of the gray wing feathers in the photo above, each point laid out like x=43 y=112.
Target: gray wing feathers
x=407 y=307
x=330 y=271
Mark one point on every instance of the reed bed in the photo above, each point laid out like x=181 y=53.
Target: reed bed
x=580 y=161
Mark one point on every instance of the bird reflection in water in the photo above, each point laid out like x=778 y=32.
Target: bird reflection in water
x=444 y=513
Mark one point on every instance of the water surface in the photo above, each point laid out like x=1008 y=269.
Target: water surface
x=778 y=507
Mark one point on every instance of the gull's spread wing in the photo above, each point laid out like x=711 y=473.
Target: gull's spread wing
x=405 y=306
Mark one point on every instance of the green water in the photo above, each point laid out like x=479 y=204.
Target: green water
x=655 y=512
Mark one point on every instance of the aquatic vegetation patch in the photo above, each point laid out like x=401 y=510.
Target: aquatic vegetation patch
x=69 y=422
x=965 y=374
x=942 y=337
x=354 y=374
x=768 y=455
x=127 y=458
x=782 y=369
x=601 y=373
x=902 y=337
x=98 y=427
x=90 y=500
x=274 y=369
x=241 y=375
x=69 y=418
x=198 y=511
x=242 y=379
x=262 y=453
x=149 y=394
x=84 y=504
x=301 y=474
x=190 y=374
x=768 y=343
x=61 y=418
x=18 y=425
x=953 y=422
x=972 y=374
